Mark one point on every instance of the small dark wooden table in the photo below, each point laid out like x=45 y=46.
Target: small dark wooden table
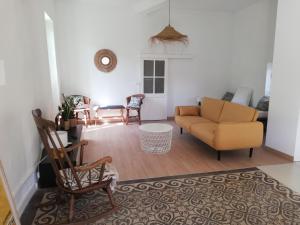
x=110 y=107
x=47 y=176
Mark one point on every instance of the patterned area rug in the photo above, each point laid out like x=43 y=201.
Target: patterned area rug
x=233 y=197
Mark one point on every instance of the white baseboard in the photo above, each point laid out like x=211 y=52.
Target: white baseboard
x=25 y=193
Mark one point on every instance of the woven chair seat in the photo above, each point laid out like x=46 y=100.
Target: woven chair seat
x=90 y=177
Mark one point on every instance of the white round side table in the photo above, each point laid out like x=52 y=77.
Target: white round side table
x=156 y=137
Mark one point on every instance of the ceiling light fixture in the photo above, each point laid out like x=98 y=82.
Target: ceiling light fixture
x=169 y=34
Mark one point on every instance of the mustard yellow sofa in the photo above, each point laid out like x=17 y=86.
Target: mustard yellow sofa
x=222 y=125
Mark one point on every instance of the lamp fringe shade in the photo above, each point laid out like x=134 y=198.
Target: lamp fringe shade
x=169 y=34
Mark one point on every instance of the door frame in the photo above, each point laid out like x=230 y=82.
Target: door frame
x=159 y=97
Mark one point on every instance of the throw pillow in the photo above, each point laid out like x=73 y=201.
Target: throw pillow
x=134 y=102
x=263 y=104
x=242 y=96
x=228 y=96
x=78 y=101
x=189 y=111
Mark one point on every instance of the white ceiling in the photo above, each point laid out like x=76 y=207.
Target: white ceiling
x=194 y=5
x=150 y=5
x=218 y=5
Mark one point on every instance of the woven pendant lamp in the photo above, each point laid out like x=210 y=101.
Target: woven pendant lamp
x=169 y=34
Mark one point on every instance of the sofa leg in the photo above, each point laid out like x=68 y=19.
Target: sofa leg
x=250 y=152
x=181 y=130
x=219 y=155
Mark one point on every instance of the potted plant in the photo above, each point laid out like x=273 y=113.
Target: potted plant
x=66 y=110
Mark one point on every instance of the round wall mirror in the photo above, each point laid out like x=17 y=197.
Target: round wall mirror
x=105 y=60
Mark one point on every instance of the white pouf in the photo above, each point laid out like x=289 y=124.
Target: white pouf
x=156 y=137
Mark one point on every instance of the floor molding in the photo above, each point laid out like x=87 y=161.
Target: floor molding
x=25 y=192
x=284 y=155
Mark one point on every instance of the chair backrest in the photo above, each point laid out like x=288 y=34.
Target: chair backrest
x=141 y=96
x=56 y=151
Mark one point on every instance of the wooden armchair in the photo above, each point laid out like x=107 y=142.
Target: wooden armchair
x=74 y=180
x=134 y=108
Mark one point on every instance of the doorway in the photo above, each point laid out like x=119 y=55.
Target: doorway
x=154 y=86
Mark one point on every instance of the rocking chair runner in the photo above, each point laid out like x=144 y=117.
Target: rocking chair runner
x=74 y=180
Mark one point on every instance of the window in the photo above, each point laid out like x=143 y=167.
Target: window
x=154 y=76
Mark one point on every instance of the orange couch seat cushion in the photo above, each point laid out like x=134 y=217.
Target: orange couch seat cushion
x=187 y=121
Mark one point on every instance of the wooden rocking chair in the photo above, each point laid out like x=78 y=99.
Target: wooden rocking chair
x=70 y=179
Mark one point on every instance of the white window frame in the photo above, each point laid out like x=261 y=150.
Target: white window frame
x=165 y=77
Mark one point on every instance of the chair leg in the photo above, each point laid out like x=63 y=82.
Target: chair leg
x=181 y=130
x=89 y=114
x=86 y=117
x=139 y=116
x=71 y=210
x=77 y=117
x=127 y=116
x=219 y=155
x=111 y=200
x=250 y=152
x=122 y=114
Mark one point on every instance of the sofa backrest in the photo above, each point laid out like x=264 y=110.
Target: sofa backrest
x=211 y=108
x=233 y=112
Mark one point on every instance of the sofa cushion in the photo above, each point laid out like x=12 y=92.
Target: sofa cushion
x=189 y=111
x=228 y=96
x=242 y=96
x=263 y=104
x=205 y=132
x=187 y=121
x=135 y=102
x=211 y=108
x=237 y=113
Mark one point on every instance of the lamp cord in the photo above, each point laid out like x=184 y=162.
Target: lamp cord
x=169 y=12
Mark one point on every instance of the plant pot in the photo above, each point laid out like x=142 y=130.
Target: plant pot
x=67 y=124
x=73 y=122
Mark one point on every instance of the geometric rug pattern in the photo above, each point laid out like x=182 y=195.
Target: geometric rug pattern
x=240 y=197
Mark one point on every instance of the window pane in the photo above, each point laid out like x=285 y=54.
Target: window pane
x=148 y=68
x=148 y=85
x=160 y=68
x=159 y=85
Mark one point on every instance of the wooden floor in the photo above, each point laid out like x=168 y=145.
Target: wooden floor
x=188 y=154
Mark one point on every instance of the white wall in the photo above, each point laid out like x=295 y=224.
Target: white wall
x=283 y=126
x=90 y=26
x=23 y=49
x=207 y=73
x=253 y=41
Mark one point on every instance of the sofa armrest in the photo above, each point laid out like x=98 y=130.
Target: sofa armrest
x=177 y=110
x=229 y=136
x=187 y=111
